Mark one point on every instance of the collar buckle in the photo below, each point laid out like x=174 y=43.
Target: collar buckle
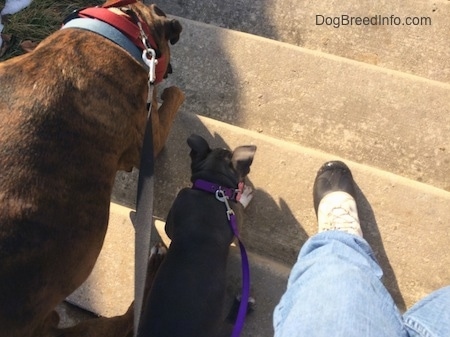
x=148 y=55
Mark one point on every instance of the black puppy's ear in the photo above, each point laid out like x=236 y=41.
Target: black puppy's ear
x=173 y=29
x=242 y=159
x=199 y=148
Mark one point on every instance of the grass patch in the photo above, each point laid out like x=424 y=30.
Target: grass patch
x=39 y=20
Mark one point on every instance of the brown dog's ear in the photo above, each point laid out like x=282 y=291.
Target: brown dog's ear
x=242 y=159
x=158 y=11
x=173 y=29
x=199 y=148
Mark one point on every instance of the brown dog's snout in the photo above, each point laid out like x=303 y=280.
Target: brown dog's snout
x=174 y=31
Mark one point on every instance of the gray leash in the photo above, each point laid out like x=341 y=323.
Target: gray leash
x=143 y=219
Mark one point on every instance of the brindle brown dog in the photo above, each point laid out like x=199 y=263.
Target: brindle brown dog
x=72 y=113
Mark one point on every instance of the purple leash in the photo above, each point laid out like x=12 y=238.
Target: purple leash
x=223 y=194
x=242 y=313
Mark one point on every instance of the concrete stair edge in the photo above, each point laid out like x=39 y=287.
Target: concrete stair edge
x=223 y=32
x=395 y=47
x=358 y=111
x=426 y=188
x=102 y=295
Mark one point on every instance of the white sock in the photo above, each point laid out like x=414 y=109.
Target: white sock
x=13 y=6
x=338 y=211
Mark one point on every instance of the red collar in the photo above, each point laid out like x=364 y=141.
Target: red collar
x=120 y=22
x=126 y=26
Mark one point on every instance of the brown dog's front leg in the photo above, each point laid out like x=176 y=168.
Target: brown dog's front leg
x=163 y=117
x=119 y=326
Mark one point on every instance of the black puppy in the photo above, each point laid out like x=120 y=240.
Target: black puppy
x=188 y=293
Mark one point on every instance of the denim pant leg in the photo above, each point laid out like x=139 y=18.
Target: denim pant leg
x=431 y=316
x=335 y=290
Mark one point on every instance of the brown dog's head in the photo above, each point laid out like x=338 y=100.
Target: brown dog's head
x=162 y=29
x=220 y=166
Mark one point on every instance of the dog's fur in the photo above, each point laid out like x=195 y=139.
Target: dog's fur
x=189 y=287
x=72 y=113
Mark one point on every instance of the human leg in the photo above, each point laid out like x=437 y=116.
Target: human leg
x=335 y=290
x=335 y=287
x=431 y=316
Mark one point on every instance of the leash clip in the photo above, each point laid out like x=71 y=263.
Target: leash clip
x=220 y=195
x=148 y=55
x=151 y=63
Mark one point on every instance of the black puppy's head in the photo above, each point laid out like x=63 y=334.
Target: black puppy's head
x=220 y=166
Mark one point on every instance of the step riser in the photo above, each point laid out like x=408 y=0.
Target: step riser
x=396 y=122
x=397 y=47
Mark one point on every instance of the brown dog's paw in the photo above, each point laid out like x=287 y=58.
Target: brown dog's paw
x=173 y=93
x=158 y=251
x=157 y=255
x=233 y=313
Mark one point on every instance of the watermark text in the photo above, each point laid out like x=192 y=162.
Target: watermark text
x=375 y=20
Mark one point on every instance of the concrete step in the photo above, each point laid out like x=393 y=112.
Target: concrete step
x=415 y=49
x=397 y=122
x=109 y=290
x=404 y=220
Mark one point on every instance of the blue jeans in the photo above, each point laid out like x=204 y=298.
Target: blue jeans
x=335 y=289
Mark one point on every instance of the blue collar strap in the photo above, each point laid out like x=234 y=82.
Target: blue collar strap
x=109 y=32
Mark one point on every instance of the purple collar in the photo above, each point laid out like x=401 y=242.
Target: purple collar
x=233 y=194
